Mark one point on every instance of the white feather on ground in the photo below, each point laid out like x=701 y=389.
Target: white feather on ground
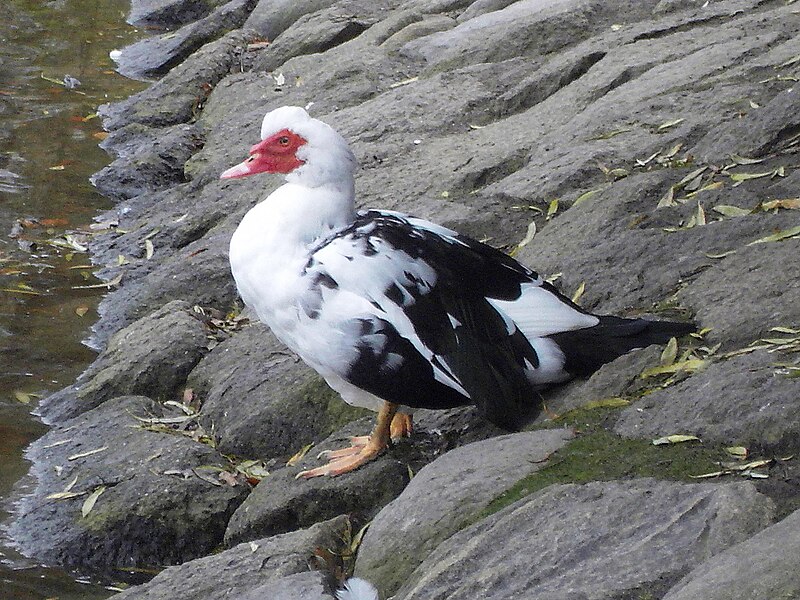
x=357 y=589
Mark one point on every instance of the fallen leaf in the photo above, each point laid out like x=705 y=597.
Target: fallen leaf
x=787 y=203
x=609 y=134
x=82 y=310
x=690 y=177
x=667 y=199
x=100 y=135
x=741 y=160
x=579 y=292
x=615 y=402
x=228 y=478
x=585 y=196
x=721 y=254
x=740 y=178
x=88 y=453
x=397 y=84
x=784 y=234
x=737 y=451
x=669 y=124
x=728 y=210
x=670 y=353
x=675 y=439
x=149 y=249
x=298 y=456
x=64 y=495
x=552 y=209
x=785 y=330
x=89 y=503
x=527 y=239
x=689 y=365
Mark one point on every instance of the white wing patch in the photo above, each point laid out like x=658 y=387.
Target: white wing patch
x=538 y=313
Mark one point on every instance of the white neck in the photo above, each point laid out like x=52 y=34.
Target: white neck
x=271 y=246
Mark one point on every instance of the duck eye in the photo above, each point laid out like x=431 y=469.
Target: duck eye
x=283 y=141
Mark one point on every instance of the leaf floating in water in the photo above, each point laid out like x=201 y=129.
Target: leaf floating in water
x=22 y=397
x=82 y=310
x=95 y=286
x=89 y=503
x=678 y=438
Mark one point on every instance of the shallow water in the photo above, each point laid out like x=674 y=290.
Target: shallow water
x=48 y=150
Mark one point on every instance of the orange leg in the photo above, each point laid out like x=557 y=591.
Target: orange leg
x=402 y=426
x=359 y=453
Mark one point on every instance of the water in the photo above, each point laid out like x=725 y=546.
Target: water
x=48 y=150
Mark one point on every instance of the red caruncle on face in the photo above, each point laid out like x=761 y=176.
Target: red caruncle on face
x=275 y=154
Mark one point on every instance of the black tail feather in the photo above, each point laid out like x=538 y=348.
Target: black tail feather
x=586 y=350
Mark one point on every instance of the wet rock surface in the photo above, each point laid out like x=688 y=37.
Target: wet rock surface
x=576 y=534
x=655 y=147
x=154 y=507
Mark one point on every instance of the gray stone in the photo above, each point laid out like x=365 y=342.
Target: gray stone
x=270 y=18
x=761 y=131
x=321 y=31
x=154 y=163
x=169 y=13
x=151 y=357
x=446 y=496
x=156 y=55
x=155 y=509
x=480 y=126
x=619 y=378
x=311 y=585
x=591 y=541
x=480 y=7
x=418 y=29
x=236 y=573
x=740 y=401
x=765 y=566
x=745 y=294
x=175 y=98
x=282 y=503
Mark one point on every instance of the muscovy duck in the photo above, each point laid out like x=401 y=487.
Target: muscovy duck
x=396 y=312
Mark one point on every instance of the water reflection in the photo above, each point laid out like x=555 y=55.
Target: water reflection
x=48 y=150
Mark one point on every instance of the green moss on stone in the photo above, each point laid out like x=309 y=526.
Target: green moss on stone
x=603 y=456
